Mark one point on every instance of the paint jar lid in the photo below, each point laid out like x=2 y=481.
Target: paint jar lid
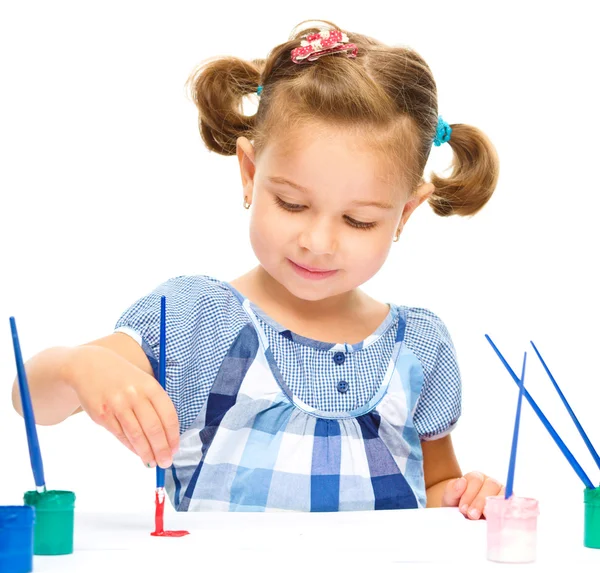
x=591 y=496
x=13 y=516
x=52 y=500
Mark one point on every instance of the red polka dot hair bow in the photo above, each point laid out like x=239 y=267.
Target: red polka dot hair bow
x=322 y=43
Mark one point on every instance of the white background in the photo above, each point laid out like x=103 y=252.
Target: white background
x=106 y=190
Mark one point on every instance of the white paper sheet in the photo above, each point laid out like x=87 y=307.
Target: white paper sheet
x=432 y=539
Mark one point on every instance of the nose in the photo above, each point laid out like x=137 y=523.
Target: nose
x=319 y=237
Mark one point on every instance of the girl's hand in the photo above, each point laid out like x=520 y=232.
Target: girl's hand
x=127 y=401
x=468 y=493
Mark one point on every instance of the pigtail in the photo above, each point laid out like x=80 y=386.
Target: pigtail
x=218 y=87
x=474 y=176
x=386 y=91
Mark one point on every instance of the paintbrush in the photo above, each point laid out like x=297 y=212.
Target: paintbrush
x=557 y=439
x=162 y=374
x=582 y=433
x=35 y=455
x=513 y=450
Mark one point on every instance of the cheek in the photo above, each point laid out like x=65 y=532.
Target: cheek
x=368 y=255
x=266 y=231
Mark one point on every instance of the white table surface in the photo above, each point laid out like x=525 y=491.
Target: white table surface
x=396 y=540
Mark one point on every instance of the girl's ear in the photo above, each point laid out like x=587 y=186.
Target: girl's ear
x=422 y=193
x=245 y=155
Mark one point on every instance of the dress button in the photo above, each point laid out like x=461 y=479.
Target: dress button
x=342 y=386
x=339 y=358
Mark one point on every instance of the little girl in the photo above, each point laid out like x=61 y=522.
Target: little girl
x=289 y=388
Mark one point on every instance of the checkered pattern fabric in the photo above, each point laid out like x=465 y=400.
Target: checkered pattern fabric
x=266 y=424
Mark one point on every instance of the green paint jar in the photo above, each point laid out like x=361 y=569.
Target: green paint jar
x=591 y=528
x=54 y=519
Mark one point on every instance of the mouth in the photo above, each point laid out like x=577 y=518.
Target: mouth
x=312 y=272
x=314 y=269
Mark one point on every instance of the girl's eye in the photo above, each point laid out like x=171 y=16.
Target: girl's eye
x=297 y=208
x=288 y=206
x=360 y=224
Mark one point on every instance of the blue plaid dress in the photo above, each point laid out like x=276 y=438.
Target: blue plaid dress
x=273 y=421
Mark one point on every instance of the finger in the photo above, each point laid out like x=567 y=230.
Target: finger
x=501 y=493
x=490 y=487
x=115 y=428
x=453 y=492
x=154 y=432
x=168 y=417
x=107 y=420
x=135 y=434
x=474 y=482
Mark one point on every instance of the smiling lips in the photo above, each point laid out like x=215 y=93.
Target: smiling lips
x=311 y=272
x=314 y=269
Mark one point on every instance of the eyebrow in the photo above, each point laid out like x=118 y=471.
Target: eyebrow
x=284 y=181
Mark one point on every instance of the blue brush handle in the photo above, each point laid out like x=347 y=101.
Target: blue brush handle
x=571 y=413
x=513 y=450
x=562 y=446
x=160 y=477
x=32 y=438
x=162 y=371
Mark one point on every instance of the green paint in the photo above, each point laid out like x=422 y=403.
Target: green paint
x=591 y=535
x=54 y=517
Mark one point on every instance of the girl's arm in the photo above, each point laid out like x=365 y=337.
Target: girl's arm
x=112 y=380
x=447 y=487
x=440 y=466
x=51 y=375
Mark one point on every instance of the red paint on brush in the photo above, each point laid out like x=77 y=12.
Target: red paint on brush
x=159 y=521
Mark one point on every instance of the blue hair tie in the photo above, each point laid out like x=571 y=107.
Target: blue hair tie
x=259 y=90
x=442 y=132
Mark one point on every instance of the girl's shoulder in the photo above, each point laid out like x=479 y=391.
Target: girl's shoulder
x=196 y=292
x=195 y=286
x=423 y=322
x=194 y=303
x=425 y=334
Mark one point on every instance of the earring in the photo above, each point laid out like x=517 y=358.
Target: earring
x=246 y=204
x=397 y=236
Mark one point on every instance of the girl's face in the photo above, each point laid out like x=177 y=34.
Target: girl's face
x=324 y=213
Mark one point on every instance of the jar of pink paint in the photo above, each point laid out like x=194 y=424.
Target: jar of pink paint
x=511 y=529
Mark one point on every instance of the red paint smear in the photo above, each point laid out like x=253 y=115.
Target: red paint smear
x=159 y=521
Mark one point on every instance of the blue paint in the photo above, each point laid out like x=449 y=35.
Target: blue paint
x=16 y=538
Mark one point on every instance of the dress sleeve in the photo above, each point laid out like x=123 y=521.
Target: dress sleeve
x=439 y=405
x=202 y=320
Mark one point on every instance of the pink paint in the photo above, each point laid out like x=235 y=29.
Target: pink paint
x=511 y=529
x=159 y=515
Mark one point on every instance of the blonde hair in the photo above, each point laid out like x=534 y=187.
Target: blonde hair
x=387 y=93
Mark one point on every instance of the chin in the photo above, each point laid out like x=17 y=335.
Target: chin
x=306 y=294
x=311 y=291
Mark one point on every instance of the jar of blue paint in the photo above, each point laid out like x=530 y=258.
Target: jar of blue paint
x=16 y=538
